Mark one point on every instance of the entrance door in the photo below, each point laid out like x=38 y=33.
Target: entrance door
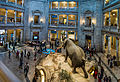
x=88 y=41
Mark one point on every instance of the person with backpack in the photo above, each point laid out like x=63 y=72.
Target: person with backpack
x=26 y=69
x=9 y=54
x=28 y=54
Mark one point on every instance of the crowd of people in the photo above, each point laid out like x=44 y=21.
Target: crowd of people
x=101 y=76
x=111 y=60
x=20 y=55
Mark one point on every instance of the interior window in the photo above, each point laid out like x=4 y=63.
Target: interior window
x=36 y=19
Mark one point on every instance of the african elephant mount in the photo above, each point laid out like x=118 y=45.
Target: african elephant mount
x=76 y=55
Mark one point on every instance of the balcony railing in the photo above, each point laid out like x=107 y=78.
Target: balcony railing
x=37 y=25
x=63 y=25
x=67 y=8
x=110 y=28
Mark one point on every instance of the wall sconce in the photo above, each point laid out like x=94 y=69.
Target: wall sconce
x=31 y=19
x=41 y=20
x=94 y=21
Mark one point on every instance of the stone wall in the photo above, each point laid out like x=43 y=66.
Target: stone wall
x=30 y=7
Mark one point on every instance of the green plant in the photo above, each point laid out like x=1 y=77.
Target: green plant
x=65 y=76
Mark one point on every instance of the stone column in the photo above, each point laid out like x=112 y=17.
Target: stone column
x=117 y=48
x=21 y=35
x=33 y=19
x=92 y=42
x=58 y=5
x=15 y=17
x=57 y=34
x=75 y=35
x=22 y=3
x=58 y=20
x=14 y=38
x=51 y=5
x=16 y=2
x=6 y=16
x=67 y=20
x=104 y=19
x=109 y=19
x=5 y=35
x=75 y=21
x=50 y=19
x=49 y=34
x=109 y=45
x=67 y=5
x=22 y=18
x=118 y=19
x=103 y=41
x=31 y=35
x=76 y=5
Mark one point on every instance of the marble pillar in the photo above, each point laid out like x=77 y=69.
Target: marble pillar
x=109 y=45
x=14 y=38
x=117 y=48
x=118 y=19
x=6 y=16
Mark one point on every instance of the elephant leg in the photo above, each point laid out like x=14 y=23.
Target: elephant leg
x=85 y=73
x=66 y=56
x=74 y=70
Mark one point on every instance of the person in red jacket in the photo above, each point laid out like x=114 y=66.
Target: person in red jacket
x=99 y=77
x=95 y=74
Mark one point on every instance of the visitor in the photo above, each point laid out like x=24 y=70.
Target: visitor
x=25 y=53
x=21 y=54
x=105 y=78
x=40 y=46
x=108 y=60
x=17 y=54
x=9 y=54
x=28 y=54
x=114 y=58
x=102 y=72
x=21 y=62
x=95 y=74
x=35 y=48
x=99 y=77
x=13 y=48
x=26 y=69
x=111 y=63
x=109 y=79
x=35 y=56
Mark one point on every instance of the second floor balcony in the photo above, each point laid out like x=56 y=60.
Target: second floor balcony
x=37 y=25
x=12 y=2
x=111 y=28
x=63 y=6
